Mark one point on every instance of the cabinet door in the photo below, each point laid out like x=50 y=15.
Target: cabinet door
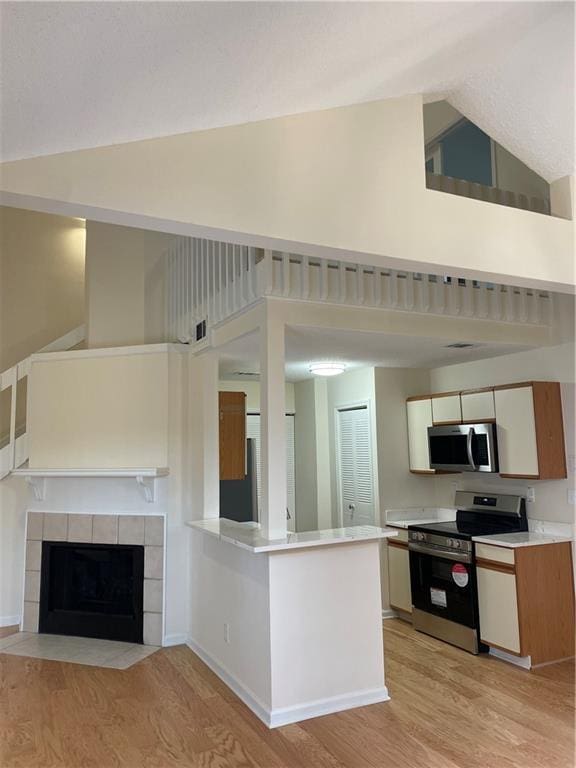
x=478 y=406
x=446 y=409
x=498 y=607
x=516 y=425
x=399 y=577
x=232 y=412
x=419 y=414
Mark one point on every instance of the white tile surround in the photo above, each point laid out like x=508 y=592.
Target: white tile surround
x=143 y=530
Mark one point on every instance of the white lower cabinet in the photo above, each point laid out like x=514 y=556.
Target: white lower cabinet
x=399 y=575
x=498 y=607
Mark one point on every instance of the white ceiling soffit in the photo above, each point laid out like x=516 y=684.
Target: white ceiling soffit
x=79 y=75
x=357 y=349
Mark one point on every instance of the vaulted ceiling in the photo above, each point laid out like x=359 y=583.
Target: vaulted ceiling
x=78 y=75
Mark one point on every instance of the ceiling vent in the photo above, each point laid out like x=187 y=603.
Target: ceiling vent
x=459 y=345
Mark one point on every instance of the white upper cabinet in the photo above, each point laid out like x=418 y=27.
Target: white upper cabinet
x=446 y=409
x=478 y=406
x=419 y=414
x=516 y=425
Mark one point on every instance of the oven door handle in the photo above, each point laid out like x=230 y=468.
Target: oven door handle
x=471 y=434
x=459 y=557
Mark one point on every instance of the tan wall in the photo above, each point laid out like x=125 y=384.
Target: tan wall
x=513 y=176
x=41 y=281
x=99 y=412
x=252 y=390
x=350 y=179
x=124 y=285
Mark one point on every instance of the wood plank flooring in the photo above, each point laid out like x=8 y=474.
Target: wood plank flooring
x=448 y=710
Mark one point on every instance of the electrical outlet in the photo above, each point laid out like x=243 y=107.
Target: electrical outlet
x=226 y=632
x=530 y=494
x=571 y=495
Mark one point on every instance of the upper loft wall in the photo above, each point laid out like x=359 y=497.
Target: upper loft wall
x=124 y=285
x=348 y=182
x=41 y=281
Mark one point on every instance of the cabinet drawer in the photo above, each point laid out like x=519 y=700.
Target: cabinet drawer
x=446 y=409
x=498 y=554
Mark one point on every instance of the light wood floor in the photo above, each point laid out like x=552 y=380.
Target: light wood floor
x=448 y=710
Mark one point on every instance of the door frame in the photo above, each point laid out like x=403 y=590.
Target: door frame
x=356 y=405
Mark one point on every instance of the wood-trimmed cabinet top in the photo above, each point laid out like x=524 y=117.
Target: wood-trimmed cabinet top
x=528 y=418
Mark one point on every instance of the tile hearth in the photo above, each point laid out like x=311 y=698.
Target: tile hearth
x=76 y=650
x=143 y=530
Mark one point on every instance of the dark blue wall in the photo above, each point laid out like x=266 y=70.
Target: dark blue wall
x=466 y=154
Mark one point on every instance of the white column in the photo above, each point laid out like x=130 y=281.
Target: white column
x=272 y=426
x=210 y=416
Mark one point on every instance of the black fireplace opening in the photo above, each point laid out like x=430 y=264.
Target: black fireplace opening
x=92 y=590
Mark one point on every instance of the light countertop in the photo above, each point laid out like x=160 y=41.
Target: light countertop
x=402 y=518
x=249 y=535
x=524 y=539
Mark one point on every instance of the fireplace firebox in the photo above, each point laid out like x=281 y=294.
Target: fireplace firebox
x=92 y=590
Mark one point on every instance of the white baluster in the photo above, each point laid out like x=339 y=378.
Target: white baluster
x=285 y=274
x=305 y=277
x=359 y=283
x=323 y=279
x=409 y=291
x=377 y=287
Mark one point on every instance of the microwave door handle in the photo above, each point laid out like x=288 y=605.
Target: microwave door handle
x=469 y=447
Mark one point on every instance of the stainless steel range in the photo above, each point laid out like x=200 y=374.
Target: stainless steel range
x=442 y=565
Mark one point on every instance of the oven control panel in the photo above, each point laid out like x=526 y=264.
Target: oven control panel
x=438 y=540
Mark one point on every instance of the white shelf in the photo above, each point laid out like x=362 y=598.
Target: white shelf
x=137 y=472
x=145 y=477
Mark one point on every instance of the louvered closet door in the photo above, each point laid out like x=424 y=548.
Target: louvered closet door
x=355 y=467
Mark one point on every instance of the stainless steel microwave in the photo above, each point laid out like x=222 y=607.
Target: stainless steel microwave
x=463 y=447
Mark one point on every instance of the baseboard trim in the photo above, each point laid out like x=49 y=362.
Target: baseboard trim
x=178 y=639
x=288 y=715
x=388 y=613
x=274 y=718
x=9 y=621
x=520 y=661
x=243 y=693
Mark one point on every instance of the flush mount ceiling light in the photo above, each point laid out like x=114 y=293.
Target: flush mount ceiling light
x=327 y=369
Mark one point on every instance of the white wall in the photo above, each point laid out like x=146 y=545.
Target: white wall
x=365 y=162
x=546 y=364
x=124 y=285
x=252 y=390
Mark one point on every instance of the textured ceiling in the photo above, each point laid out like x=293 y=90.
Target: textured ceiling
x=357 y=349
x=78 y=75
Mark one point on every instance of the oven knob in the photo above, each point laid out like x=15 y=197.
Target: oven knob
x=449 y=542
x=456 y=544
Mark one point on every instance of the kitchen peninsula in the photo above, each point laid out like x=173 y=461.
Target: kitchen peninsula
x=282 y=616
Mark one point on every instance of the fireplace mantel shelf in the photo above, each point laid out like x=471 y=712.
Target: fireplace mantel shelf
x=144 y=476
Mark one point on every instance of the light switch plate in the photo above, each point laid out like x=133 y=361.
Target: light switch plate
x=530 y=494
x=571 y=495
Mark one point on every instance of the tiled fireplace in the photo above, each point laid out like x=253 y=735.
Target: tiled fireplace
x=138 y=534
